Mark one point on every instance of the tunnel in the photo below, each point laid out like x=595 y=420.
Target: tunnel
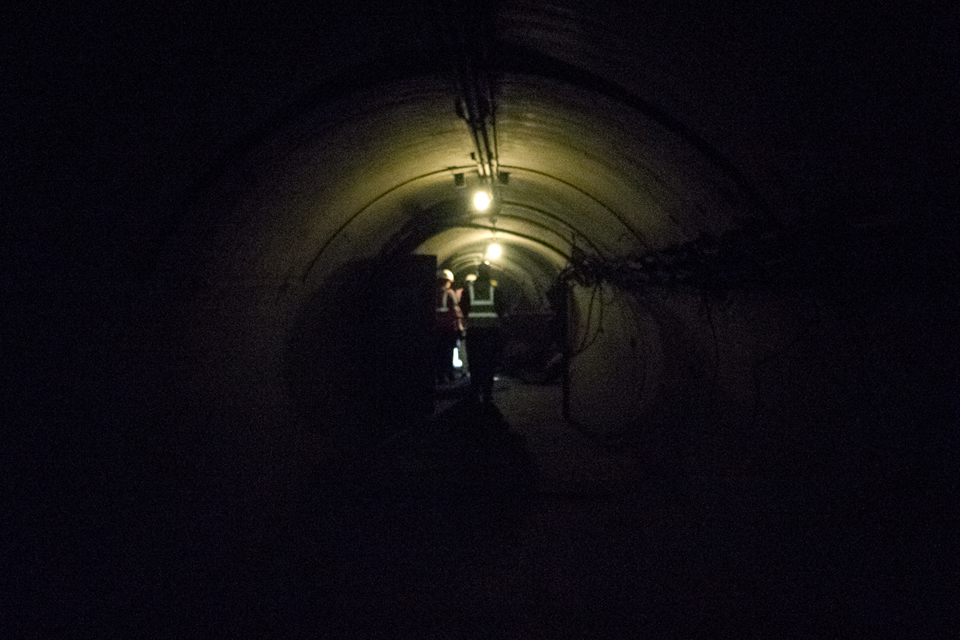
x=727 y=395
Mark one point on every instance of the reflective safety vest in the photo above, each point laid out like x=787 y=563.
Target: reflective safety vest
x=448 y=311
x=482 y=313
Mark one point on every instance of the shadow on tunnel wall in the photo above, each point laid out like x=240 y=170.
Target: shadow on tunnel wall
x=358 y=362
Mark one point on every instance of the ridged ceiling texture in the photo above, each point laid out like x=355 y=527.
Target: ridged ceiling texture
x=243 y=157
x=554 y=109
x=601 y=131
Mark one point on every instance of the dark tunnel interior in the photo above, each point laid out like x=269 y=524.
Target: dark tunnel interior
x=727 y=398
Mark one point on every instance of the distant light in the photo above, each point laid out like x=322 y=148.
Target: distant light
x=494 y=251
x=481 y=200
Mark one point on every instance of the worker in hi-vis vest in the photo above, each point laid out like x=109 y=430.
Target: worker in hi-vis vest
x=482 y=311
x=448 y=326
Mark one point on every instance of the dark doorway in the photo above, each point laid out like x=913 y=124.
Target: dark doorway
x=360 y=353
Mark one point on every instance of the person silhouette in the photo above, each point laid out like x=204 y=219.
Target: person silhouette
x=482 y=309
x=448 y=326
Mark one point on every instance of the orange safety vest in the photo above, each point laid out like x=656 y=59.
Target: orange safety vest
x=448 y=316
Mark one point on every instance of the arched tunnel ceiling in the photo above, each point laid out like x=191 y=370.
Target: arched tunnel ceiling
x=374 y=171
x=615 y=140
x=287 y=138
x=156 y=155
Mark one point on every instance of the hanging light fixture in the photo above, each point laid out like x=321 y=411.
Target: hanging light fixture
x=481 y=200
x=494 y=250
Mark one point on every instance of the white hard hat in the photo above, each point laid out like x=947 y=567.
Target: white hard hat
x=446 y=274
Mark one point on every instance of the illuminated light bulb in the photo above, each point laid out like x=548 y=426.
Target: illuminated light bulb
x=481 y=200
x=494 y=251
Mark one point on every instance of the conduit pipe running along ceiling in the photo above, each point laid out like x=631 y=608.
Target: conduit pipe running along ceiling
x=366 y=169
x=208 y=173
x=617 y=141
x=374 y=172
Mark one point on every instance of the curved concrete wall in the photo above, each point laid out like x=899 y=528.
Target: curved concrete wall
x=172 y=395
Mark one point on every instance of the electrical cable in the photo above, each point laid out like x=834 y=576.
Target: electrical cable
x=472 y=85
x=586 y=330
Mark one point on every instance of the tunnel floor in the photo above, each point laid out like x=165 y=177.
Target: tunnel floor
x=501 y=521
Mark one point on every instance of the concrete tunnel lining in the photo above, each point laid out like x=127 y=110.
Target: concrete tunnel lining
x=339 y=182
x=250 y=311
x=775 y=420
x=394 y=173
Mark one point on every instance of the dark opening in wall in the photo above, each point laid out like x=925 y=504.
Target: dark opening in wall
x=359 y=355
